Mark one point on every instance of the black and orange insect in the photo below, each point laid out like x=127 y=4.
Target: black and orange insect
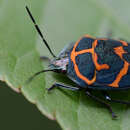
x=92 y=64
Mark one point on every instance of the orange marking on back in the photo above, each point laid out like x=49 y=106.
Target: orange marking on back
x=99 y=66
x=119 y=51
x=123 y=72
x=73 y=55
x=84 y=51
x=95 y=59
x=124 y=43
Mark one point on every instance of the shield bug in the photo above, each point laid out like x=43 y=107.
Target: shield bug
x=92 y=64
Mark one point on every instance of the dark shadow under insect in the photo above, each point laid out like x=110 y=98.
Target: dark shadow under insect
x=65 y=63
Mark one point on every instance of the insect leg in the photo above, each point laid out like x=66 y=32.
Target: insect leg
x=108 y=98
x=102 y=102
x=63 y=86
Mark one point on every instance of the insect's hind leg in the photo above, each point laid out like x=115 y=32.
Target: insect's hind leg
x=102 y=102
x=58 y=85
x=108 y=98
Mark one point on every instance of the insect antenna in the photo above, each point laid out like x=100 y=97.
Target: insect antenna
x=36 y=74
x=39 y=31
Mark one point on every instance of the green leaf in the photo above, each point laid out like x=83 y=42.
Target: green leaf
x=62 y=22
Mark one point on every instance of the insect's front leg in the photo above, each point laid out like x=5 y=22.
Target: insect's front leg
x=108 y=98
x=89 y=94
x=59 y=85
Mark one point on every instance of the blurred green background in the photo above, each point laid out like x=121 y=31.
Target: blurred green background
x=16 y=113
